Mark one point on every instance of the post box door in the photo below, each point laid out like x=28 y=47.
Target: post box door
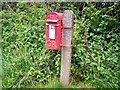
x=53 y=30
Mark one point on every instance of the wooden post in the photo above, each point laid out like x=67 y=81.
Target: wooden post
x=67 y=22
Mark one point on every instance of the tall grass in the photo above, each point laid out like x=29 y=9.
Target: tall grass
x=55 y=83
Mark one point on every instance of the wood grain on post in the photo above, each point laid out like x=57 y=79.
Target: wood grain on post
x=67 y=20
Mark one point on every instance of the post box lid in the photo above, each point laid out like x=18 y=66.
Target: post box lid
x=53 y=17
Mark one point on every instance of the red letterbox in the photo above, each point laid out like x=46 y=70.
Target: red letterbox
x=53 y=30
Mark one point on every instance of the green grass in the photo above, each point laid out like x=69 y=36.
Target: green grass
x=54 y=83
x=1 y=71
x=0 y=83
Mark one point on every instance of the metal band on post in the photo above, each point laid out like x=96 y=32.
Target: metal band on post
x=66 y=45
x=67 y=27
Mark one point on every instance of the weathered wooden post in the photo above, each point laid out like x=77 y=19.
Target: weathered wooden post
x=67 y=23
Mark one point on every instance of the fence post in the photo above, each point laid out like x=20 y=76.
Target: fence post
x=67 y=23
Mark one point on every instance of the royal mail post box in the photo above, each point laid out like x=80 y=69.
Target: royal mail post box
x=53 y=30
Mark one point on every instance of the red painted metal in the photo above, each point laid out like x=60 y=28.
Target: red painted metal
x=53 y=30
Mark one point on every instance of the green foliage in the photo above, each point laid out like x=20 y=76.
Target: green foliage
x=96 y=47
x=104 y=44
x=95 y=55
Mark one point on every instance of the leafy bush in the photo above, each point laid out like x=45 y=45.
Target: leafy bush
x=95 y=55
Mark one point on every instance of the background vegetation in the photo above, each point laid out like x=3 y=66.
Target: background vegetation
x=96 y=45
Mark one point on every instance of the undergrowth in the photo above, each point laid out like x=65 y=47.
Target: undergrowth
x=95 y=51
